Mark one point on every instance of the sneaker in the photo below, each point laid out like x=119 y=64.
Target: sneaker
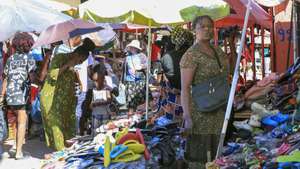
x=242 y=125
x=255 y=120
x=261 y=110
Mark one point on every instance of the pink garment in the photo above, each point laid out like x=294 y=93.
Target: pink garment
x=272 y=78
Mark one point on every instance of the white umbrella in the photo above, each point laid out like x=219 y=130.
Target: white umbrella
x=59 y=6
x=156 y=11
x=26 y=16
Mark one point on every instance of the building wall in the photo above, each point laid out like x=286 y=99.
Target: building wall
x=70 y=2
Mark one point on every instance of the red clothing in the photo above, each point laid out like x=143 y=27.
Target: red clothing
x=155 y=52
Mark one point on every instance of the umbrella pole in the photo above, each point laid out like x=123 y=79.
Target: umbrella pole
x=295 y=31
x=234 y=83
x=148 y=69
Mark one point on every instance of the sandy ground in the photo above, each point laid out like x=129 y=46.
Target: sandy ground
x=35 y=147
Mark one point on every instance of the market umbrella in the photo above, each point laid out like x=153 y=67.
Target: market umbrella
x=151 y=13
x=133 y=11
x=65 y=30
x=104 y=36
x=26 y=16
x=59 y=6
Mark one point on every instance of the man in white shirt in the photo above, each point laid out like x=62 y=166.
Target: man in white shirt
x=82 y=76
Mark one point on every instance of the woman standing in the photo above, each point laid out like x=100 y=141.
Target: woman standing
x=199 y=64
x=58 y=99
x=16 y=84
x=135 y=79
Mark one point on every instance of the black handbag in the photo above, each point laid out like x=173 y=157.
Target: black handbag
x=3 y=126
x=213 y=93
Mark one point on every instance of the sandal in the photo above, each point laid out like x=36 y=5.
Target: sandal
x=126 y=137
x=142 y=141
x=135 y=146
x=126 y=156
x=117 y=150
x=120 y=134
x=280 y=118
x=107 y=149
x=268 y=121
x=283 y=149
x=294 y=157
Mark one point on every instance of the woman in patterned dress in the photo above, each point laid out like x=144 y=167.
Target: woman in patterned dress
x=17 y=77
x=135 y=79
x=58 y=99
x=197 y=65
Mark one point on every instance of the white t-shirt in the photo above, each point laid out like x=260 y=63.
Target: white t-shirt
x=98 y=96
x=83 y=74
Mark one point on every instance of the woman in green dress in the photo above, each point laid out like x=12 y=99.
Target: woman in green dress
x=58 y=99
x=197 y=65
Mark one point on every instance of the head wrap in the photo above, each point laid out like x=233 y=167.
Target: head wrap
x=22 y=42
x=180 y=36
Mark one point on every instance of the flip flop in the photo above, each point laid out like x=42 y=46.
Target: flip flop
x=85 y=163
x=117 y=150
x=294 y=147
x=107 y=149
x=284 y=165
x=135 y=146
x=126 y=137
x=142 y=141
x=101 y=150
x=120 y=134
x=126 y=156
x=283 y=148
x=294 y=138
x=294 y=157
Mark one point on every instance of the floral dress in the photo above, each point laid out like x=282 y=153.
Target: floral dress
x=206 y=126
x=58 y=104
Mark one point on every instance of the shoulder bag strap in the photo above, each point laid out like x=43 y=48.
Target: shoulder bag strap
x=124 y=68
x=217 y=57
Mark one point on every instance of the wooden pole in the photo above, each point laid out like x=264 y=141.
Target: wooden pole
x=263 y=51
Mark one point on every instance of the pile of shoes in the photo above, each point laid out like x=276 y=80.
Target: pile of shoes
x=270 y=138
x=277 y=148
x=121 y=150
x=127 y=148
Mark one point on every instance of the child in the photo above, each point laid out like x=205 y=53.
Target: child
x=101 y=98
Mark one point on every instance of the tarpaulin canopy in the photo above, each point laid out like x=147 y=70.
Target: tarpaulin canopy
x=26 y=16
x=269 y=3
x=232 y=20
x=258 y=14
x=133 y=11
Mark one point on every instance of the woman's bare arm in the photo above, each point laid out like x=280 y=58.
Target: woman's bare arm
x=187 y=75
